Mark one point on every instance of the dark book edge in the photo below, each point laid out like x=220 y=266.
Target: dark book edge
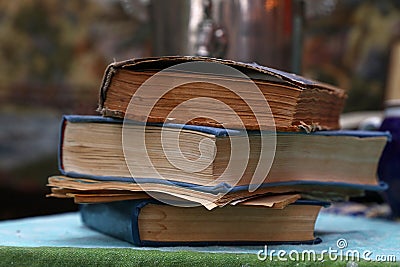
x=224 y=187
x=60 y=145
x=219 y=132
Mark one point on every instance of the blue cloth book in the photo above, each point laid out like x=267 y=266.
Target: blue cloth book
x=151 y=223
x=92 y=147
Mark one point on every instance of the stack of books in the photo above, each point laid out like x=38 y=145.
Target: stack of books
x=156 y=168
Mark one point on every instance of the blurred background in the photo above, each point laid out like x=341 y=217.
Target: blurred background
x=53 y=54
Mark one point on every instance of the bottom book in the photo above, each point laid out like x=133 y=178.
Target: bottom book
x=152 y=223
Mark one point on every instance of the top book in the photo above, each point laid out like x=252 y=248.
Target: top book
x=218 y=93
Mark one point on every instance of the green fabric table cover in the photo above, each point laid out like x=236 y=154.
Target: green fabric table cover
x=381 y=237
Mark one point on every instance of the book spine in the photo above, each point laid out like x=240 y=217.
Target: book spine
x=116 y=219
x=60 y=145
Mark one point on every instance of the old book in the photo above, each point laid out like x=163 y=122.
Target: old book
x=295 y=102
x=91 y=147
x=114 y=189
x=151 y=223
x=96 y=196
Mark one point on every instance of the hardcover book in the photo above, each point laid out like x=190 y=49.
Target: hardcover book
x=151 y=223
x=295 y=102
x=91 y=147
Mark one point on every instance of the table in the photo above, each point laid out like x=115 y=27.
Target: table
x=341 y=233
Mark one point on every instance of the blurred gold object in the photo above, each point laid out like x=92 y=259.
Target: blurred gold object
x=393 y=83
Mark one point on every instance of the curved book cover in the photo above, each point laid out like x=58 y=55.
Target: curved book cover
x=293 y=99
x=151 y=223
